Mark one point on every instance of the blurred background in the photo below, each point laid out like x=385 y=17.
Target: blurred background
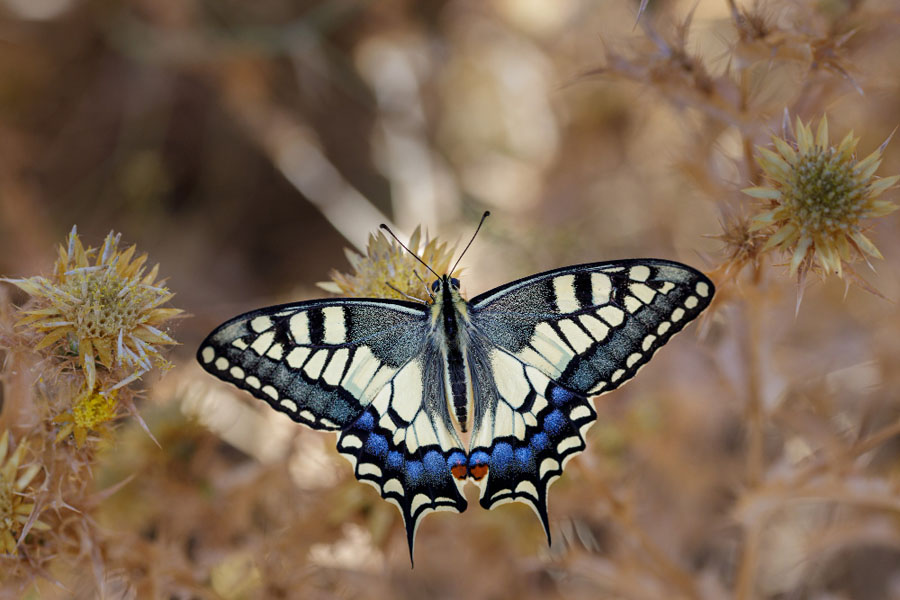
x=244 y=146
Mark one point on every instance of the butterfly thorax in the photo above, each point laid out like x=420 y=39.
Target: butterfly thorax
x=449 y=320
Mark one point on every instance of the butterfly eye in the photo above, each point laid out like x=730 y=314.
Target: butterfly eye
x=454 y=282
x=434 y=286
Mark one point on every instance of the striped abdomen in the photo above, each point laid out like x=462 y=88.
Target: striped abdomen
x=457 y=375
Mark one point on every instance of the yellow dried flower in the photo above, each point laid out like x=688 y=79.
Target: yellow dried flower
x=101 y=307
x=389 y=271
x=90 y=411
x=819 y=195
x=15 y=507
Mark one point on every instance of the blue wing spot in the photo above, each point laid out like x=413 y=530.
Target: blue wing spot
x=435 y=465
x=554 y=422
x=456 y=462
x=539 y=441
x=377 y=445
x=456 y=459
x=502 y=457
x=394 y=459
x=523 y=456
x=414 y=470
x=366 y=422
x=479 y=458
x=560 y=396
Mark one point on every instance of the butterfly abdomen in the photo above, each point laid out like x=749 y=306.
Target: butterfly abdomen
x=456 y=370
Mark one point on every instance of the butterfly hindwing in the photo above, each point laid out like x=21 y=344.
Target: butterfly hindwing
x=530 y=428
x=405 y=447
x=551 y=341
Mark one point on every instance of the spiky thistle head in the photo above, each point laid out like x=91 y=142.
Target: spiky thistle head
x=818 y=197
x=389 y=271
x=100 y=307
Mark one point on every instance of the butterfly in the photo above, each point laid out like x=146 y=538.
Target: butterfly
x=494 y=390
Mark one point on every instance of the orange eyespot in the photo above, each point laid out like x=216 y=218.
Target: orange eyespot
x=478 y=471
x=459 y=471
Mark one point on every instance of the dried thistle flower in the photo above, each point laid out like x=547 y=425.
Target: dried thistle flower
x=100 y=307
x=673 y=70
x=15 y=507
x=389 y=271
x=762 y=40
x=90 y=411
x=742 y=245
x=819 y=195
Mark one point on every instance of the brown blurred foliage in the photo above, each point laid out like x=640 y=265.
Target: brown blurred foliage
x=244 y=144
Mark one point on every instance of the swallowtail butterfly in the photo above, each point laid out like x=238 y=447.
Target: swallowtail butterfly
x=511 y=370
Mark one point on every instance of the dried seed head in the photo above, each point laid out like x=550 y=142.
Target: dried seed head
x=818 y=196
x=742 y=246
x=101 y=307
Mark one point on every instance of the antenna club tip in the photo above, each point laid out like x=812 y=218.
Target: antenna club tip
x=383 y=226
x=486 y=214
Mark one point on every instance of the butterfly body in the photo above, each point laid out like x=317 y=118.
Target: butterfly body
x=510 y=372
x=450 y=316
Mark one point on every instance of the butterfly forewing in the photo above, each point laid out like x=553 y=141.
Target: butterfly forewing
x=591 y=327
x=320 y=362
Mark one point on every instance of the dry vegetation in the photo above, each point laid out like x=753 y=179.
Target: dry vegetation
x=242 y=145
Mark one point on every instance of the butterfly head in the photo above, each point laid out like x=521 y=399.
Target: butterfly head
x=445 y=292
x=437 y=284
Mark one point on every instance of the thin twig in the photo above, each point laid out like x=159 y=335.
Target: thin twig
x=747 y=568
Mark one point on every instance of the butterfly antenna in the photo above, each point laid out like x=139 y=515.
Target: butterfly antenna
x=486 y=214
x=414 y=255
x=405 y=295
x=425 y=285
